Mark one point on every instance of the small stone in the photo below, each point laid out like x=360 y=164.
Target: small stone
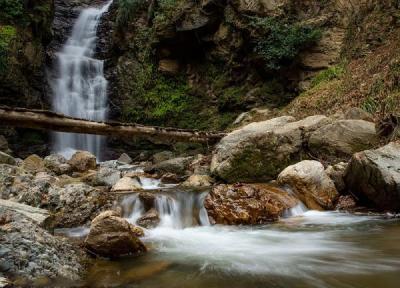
x=82 y=161
x=124 y=158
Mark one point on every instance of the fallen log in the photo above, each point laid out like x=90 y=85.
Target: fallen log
x=47 y=120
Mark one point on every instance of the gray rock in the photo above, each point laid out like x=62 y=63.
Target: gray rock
x=107 y=176
x=124 y=158
x=356 y=113
x=343 y=138
x=57 y=164
x=39 y=216
x=177 y=166
x=336 y=173
x=83 y=161
x=162 y=156
x=308 y=180
x=29 y=252
x=6 y=159
x=259 y=151
x=374 y=176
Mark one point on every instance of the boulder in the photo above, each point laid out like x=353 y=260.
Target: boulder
x=82 y=161
x=127 y=184
x=147 y=199
x=149 y=220
x=124 y=158
x=374 y=177
x=177 y=166
x=247 y=203
x=39 y=216
x=170 y=178
x=309 y=182
x=259 y=151
x=343 y=138
x=162 y=156
x=356 y=113
x=28 y=251
x=34 y=164
x=6 y=159
x=107 y=176
x=57 y=164
x=112 y=236
x=198 y=181
x=200 y=165
x=336 y=173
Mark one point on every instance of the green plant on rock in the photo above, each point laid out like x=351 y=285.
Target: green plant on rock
x=281 y=42
x=7 y=34
x=11 y=10
x=127 y=10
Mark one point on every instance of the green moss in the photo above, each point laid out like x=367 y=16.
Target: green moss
x=329 y=74
x=279 y=42
x=11 y=10
x=7 y=35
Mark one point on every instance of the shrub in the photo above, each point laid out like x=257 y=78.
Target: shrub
x=11 y=10
x=280 y=42
x=127 y=10
x=7 y=34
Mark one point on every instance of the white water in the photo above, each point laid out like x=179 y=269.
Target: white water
x=80 y=89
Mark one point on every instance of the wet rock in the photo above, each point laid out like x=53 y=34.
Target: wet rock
x=33 y=164
x=148 y=200
x=112 y=236
x=149 y=220
x=346 y=203
x=28 y=251
x=177 y=166
x=198 y=181
x=336 y=173
x=247 y=203
x=57 y=164
x=170 y=178
x=127 y=184
x=82 y=161
x=342 y=139
x=107 y=176
x=162 y=156
x=124 y=158
x=374 y=177
x=308 y=180
x=259 y=151
x=6 y=159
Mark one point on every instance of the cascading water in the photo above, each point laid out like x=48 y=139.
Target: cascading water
x=80 y=89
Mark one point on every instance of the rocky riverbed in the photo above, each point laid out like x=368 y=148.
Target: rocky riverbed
x=257 y=175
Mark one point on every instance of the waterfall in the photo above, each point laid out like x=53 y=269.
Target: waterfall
x=80 y=89
x=178 y=210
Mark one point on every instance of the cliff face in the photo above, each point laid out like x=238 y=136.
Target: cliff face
x=25 y=30
x=199 y=64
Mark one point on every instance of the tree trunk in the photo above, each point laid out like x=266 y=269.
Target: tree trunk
x=47 y=120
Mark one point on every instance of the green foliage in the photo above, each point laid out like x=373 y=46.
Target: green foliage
x=167 y=98
x=11 y=10
x=329 y=74
x=127 y=10
x=166 y=12
x=7 y=34
x=280 y=42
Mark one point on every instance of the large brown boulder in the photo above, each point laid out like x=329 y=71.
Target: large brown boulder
x=112 y=236
x=342 y=139
x=82 y=161
x=374 y=177
x=309 y=181
x=247 y=203
x=259 y=151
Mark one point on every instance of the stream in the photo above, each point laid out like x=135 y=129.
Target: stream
x=304 y=249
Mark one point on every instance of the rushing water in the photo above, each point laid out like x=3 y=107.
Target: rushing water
x=80 y=89
x=310 y=249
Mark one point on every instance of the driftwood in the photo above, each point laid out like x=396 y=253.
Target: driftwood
x=47 y=120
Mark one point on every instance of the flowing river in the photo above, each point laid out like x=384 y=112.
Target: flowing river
x=305 y=249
